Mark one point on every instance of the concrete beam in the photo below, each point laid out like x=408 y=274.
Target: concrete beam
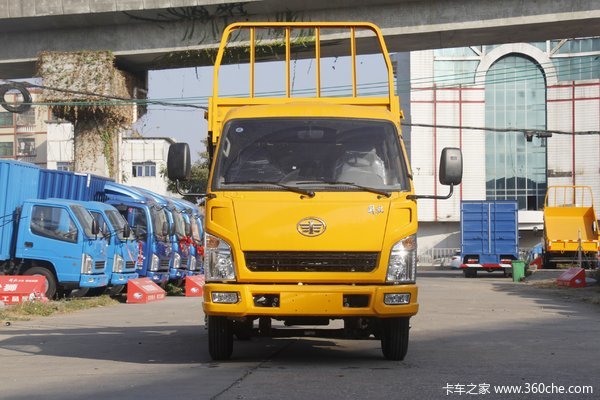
x=150 y=35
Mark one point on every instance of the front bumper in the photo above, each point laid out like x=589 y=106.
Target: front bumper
x=310 y=300
x=157 y=277
x=175 y=274
x=121 y=279
x=92 y=281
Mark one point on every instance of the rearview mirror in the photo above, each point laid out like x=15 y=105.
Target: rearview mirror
x=95 y=227
x=451 y=166
x=179 y=164
x=165 y=229
x=126 y=231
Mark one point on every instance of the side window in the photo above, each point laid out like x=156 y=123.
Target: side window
x=54 y=223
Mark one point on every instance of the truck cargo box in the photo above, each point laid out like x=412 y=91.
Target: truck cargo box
x=71 y=185
x=489 y=233
x=19 y=181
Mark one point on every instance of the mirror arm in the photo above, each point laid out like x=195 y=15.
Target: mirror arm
x=424 y=196
x=201 y=195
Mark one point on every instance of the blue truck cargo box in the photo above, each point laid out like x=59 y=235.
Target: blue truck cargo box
x=19 y=181
x=71 y=186
x=489 y=230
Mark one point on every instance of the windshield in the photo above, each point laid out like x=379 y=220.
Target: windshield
x=320 y=152
x=118 y=223
x=160 y=222
x=84 y=218
x=196 y=231
x=179 y=224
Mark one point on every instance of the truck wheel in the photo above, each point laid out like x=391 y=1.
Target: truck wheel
x=50 y=279
x=470 y=273
x=96 y=291
x=220 y=338
x=394 y=338
x=115 y=290
x=243 y=329
x=264 y=326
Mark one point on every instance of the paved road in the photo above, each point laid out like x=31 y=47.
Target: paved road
x=483 y=331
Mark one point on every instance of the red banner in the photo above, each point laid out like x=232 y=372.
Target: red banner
x=143 y=290
x=17 y=289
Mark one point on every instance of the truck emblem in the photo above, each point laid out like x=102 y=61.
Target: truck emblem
x=375 y=210
x=311 y=226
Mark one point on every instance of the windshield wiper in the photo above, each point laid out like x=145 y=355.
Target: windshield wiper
x=305 y=192
x=352 y=184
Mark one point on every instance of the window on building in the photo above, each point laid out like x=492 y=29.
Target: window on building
x=26 y=118
x=577 y=68
x=6 y=149
x=26 y=147
x=146 y=168
x=6 y=118
x=64 y=166
x=454 y=72
x=515 y=168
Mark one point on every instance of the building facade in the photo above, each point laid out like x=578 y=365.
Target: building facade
x=141 y=159
x=517 y=93
x=23 y=136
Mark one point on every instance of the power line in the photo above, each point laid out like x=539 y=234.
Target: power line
x=507 y=130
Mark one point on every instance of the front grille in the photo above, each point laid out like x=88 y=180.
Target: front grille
x=184 y=263
x=301 y=261
x=163 y=265
x=99 y=265
x=129 y=264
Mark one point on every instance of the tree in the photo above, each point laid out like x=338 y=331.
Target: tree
x=198 y=181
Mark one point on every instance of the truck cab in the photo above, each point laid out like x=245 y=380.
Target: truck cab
x=149 y=222
x=193 y=239
x=123 y=247
x=311 y=214
x=177 y=234
x=60 y=241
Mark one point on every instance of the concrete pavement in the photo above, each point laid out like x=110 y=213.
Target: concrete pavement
x=469 y=331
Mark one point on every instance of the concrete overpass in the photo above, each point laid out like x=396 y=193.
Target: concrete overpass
x=156 y=34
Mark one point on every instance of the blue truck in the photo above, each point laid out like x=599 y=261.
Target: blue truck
x=56 y=238
x=150 y=224
x=123 y=255
x=489 y=236
x=193 y=239
x=177 y=234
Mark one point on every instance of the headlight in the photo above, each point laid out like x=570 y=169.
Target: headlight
x=118 y=264
x=87 y=264
x=154 y=264
x=192 y=263
x=176 y=260
x=218 y=259
x=402 y=267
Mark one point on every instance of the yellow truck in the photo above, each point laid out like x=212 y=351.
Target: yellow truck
x=570 y=227
x=311 y=214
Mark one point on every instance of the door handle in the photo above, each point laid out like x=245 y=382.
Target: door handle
x=28 y=244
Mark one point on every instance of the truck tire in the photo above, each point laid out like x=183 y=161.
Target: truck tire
x=96 y=291
x=394 y=338
x=220 y=338
x=51 y=283
x=470 y=273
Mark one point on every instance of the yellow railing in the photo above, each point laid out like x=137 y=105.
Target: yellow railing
x=218 y=106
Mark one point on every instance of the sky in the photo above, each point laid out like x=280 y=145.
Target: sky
x=195 y=85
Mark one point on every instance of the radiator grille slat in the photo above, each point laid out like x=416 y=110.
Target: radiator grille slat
x=301 y=261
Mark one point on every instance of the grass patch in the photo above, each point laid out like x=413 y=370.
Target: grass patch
x=27 y=310
x=174 y=290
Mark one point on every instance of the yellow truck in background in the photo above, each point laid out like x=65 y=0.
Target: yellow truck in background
x=570 y=227
x=311 y=214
